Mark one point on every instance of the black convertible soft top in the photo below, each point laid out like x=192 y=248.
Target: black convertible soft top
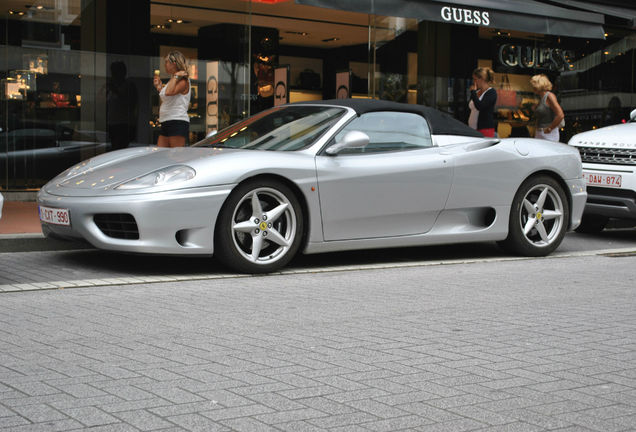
x=439 y=122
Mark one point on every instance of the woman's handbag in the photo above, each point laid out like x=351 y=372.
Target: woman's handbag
x=506 y=97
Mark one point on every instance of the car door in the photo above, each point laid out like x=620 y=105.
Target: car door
x=395 y=186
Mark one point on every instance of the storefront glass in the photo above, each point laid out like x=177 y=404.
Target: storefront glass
x=45 y=124
x=77 y=74
x=216 y=38
x=592 y=79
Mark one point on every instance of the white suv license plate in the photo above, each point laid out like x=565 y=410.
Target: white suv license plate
x=605 y=180
x=55 y=216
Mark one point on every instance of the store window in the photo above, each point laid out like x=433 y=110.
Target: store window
x=393 y=59
x=251 y=56
x=592 y=79
x=216 y=38
x=41 y=129
x=76 y=76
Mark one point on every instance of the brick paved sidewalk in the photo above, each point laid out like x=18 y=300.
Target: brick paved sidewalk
x=514 y=346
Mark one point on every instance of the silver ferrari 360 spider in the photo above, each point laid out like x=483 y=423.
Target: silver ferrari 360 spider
x=319 y=177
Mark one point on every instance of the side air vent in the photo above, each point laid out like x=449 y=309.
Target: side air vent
x=117 y=225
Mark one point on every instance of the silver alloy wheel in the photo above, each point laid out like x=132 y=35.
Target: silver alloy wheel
x=263 y=226
x=541 y=215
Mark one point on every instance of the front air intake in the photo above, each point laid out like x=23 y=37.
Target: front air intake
x=117 y=225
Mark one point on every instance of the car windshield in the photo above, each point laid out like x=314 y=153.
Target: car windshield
x=286 y=128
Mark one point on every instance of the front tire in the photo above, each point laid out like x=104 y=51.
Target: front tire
x=538 y=218
x=260 y=226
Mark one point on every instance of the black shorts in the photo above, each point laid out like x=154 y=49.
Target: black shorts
x=175 y=128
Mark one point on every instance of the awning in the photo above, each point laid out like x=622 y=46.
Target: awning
x=628 y=15
x=522 y=15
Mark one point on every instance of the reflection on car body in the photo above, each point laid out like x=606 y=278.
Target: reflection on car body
x=319 y=177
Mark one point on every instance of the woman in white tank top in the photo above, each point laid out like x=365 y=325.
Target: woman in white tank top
x=175 y=98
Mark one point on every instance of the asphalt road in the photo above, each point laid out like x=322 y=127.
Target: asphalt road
x=66 y=268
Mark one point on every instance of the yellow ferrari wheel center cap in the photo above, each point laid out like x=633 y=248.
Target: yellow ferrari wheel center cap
x=539 y=215
x=263 y=226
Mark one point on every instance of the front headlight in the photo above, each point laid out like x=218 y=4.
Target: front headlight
x=162 y=177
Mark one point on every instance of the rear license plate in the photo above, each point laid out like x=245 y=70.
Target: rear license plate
x=605 y=180
x=55 y=216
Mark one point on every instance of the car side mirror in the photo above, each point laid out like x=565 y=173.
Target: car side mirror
x=352 y=139
x=632 y=116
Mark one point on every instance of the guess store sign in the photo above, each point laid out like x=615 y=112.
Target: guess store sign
x=465 y=16
x=518 y=55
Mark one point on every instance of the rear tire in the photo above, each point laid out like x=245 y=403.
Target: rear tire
x=259 y=228
x=539 y=217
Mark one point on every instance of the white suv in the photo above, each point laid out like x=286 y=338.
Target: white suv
x=609 y=168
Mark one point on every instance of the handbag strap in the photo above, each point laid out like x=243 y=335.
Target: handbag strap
x=505 y=82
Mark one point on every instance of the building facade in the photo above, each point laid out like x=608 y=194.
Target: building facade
x=76 y=75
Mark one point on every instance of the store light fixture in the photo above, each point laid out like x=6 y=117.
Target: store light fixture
x=39 y=7
x=499 y=32
x=176 y=20
x=333 y=39
x=16 y=12
x=269 y=1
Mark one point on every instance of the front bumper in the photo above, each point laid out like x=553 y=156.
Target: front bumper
x=614 y=203
x=578 y=195
x=170 y=222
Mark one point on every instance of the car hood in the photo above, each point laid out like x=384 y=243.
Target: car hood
x=616 y=136
x=111 y=169
x=101 y=175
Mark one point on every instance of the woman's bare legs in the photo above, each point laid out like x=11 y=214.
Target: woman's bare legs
x=163 y=141
x=176 y=141
x=171 y=141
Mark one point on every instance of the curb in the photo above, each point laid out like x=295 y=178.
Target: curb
x=122 y=281
x=32 y=242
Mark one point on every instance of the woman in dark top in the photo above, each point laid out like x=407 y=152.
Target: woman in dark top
x=482 y=102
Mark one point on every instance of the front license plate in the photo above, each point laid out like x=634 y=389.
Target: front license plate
x=55 y=216
x=605 y=180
